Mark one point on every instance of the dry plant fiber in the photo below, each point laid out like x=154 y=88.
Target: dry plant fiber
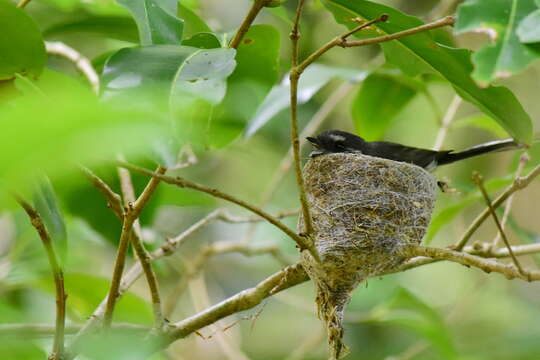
x=368 y=214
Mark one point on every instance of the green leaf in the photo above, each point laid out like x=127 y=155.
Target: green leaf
x=87 y=291
x=499 y=19
x=156 y=20
x=528 y=29
x=452 y=64
x=193 y=24
x=22 y=50
x=480 y=121
x=311 y=81
x=114 y=27
x=47 y=206
x=96 y=7
x=377 y=103
x=78 y=128
x=256 y=73
x=203 y=40
x=407 y=310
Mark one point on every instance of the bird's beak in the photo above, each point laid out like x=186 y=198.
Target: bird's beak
x=313 y=141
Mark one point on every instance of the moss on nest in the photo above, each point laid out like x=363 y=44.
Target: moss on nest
x=368 y=213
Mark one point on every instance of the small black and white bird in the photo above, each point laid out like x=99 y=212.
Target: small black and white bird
x=337 y=141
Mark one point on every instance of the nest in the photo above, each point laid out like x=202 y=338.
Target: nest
x=368 y=215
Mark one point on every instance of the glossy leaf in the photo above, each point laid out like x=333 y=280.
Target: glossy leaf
x=114 y=27
x=311 y=81
x=376 y=104
x=528 y=29
x=453 y=64
x=499 y=19
x=483 y=122
x=22 y=50
x=204 y=40
x=156 y=20
x=256 y=73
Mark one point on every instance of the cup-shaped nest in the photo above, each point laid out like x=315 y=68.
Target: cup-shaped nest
x=368 y=215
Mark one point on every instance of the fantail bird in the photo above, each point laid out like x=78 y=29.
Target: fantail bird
x=337 y=141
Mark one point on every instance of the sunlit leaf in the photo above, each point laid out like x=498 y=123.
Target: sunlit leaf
x=452 y=64
x=156 y=20
x=481 y=121
x=376 y=104
x=499 y=19
x=22 y=49
x=311 y=81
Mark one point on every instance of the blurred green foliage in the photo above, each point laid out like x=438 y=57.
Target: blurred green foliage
x=168 y=79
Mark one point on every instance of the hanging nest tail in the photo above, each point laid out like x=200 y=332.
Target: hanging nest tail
x=368 y=214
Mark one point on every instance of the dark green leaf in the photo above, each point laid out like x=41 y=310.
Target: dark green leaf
x=499 y=19
x=452 y=64
x=256 y=73
x=47 y=206
x=22 y=50
x=376 y=104
x=114 y=27
x=203 y=40
x=311 y=81
x=528 y=30
x=156 y=20
x=193 y=24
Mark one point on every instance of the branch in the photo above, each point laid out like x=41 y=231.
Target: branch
x=248 y=20
x=180 y=182
x=341 y=40
x=81 y=63
x=477 y=178
x=57 y=352
x=114 y=201
x=219 y=248
x=447 y=119
x=131 y=213
x=518 y=184
x=23 y=3
x=488 y=266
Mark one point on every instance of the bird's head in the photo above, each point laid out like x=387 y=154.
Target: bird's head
x=335 y=141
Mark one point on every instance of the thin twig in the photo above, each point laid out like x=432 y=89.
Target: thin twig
x=57 y=352
x=23 y=3
x=518 y=184
x=341 y=40
x=180 y=182
x=447 y=119
x=256 y=7
x=214 y=249
x=131 y=213
x=508 y=270
x=114 y=201
x=81 y=63
x=448 y=20
x=523 y=160
x=479 y=181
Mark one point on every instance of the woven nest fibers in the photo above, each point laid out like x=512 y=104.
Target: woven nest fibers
x=368 y=214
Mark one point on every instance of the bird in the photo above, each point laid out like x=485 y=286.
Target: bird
x=338 y=141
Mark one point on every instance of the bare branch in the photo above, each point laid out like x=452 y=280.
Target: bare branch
x=57 y=352
x=81 y=63
x=114 y=201
x=180 y=182
x=246 y=23
x=477 y=178
x=447 y=119
x=518 y=184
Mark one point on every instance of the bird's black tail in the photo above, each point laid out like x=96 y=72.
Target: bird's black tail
x=494 y=146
